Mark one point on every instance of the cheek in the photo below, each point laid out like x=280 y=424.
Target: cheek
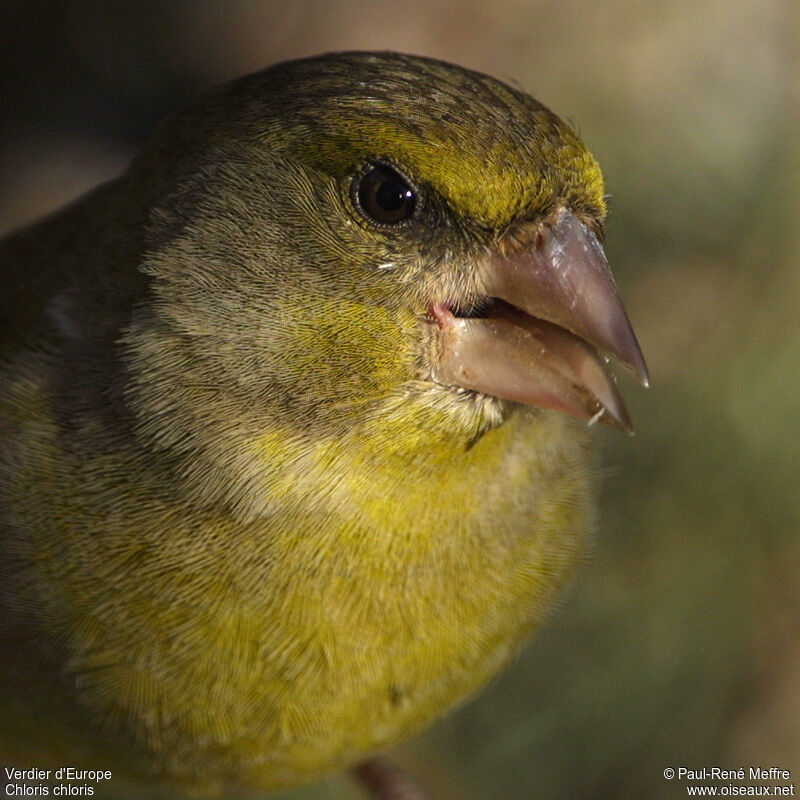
x=347 y=350
x=289 y=309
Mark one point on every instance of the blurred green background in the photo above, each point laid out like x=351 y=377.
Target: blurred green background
x=679 y=644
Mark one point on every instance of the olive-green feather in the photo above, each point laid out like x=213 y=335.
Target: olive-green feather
x=243 y=539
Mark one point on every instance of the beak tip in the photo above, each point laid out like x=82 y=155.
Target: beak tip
x=621 y=419
x=631 y=356
x=643 y=375
x=614 y=418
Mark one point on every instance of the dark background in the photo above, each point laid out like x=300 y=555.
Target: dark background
x=679 y=645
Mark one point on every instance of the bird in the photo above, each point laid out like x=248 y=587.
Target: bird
x=296 y=449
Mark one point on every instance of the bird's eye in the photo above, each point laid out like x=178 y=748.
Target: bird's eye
x=384 y=196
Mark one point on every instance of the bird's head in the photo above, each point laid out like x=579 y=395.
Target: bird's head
x=341 y=232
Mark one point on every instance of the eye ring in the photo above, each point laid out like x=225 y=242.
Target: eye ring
x=384 y=196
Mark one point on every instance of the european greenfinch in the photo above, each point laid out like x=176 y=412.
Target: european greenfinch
x=285 y=468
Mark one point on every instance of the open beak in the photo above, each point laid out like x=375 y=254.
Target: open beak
x=551 y=319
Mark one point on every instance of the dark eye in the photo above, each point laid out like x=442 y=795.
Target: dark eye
x=384 y=196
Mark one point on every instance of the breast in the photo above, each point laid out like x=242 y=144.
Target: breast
x=271 y=651
x=328 y=633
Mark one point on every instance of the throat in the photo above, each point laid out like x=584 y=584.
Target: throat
x=416 y=464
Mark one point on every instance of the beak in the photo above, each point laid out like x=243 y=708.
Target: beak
x=552 y=319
